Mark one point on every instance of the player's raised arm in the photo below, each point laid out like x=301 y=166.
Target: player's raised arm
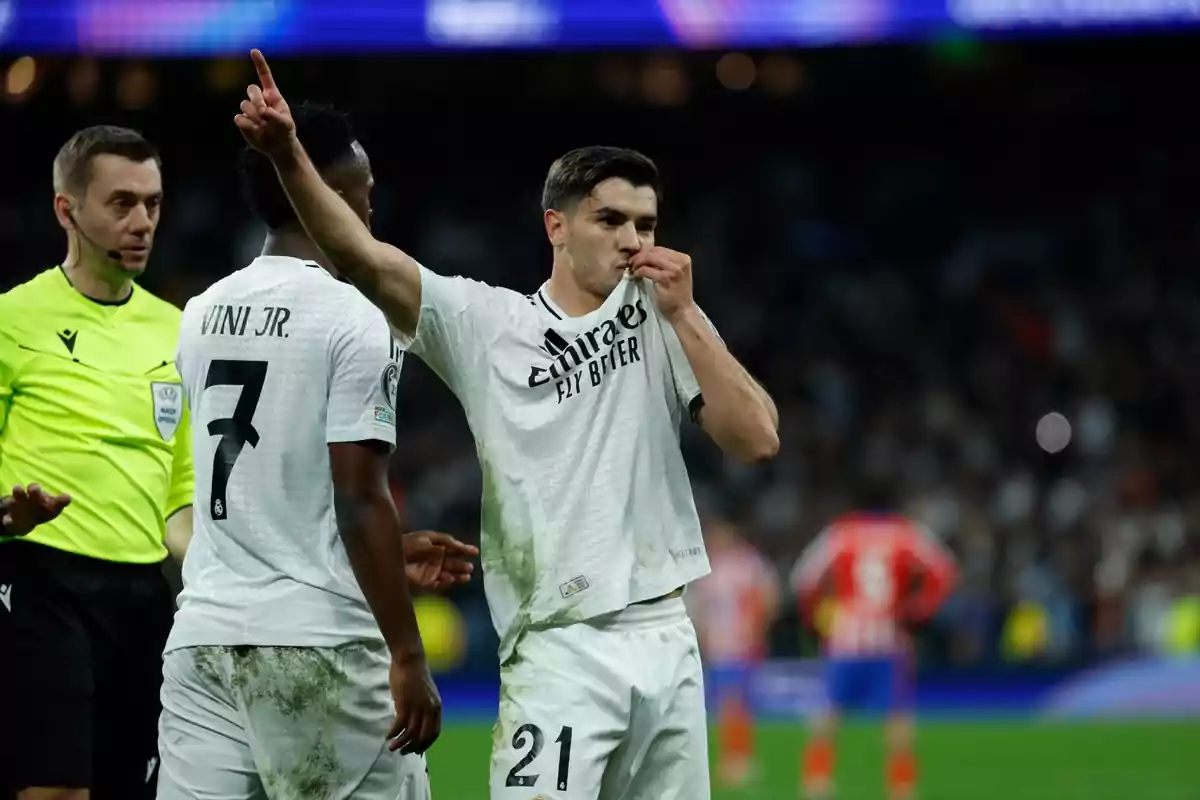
x=390 y=278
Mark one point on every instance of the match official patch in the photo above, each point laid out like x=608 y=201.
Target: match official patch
x=168 y=407
x=573 y=587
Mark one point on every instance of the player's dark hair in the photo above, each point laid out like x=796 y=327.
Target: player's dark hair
x=73 y=164
x=327 y=137
x=574 y=176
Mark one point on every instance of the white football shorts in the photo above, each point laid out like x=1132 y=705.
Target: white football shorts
x=281 y=723
x=608 y=708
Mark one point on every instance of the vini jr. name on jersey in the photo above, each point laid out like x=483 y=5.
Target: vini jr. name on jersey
x=223 y=320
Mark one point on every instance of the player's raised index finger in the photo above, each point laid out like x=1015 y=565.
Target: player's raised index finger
x=264 y=71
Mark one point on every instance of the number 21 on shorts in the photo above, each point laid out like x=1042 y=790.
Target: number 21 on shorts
x=531 y=735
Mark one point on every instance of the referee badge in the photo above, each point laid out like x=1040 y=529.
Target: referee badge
x=168 y=407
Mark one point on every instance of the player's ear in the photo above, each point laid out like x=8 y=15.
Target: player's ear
x=556 y=227
x=63 y=208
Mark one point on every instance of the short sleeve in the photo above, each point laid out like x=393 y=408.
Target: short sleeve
x=687 y=388
x=364 y=378
x=183 y=473
x=455 y=326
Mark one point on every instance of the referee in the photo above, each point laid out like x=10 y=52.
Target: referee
x=90 y=407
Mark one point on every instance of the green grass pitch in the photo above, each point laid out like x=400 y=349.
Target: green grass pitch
x=996 y=760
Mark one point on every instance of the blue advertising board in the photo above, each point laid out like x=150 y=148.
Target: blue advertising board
x=795 y=689
x=203 y=27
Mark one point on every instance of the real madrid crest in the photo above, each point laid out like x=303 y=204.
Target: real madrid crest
x=168 y=407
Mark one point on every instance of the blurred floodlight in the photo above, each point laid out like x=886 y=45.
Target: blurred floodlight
x=7 y=14
x=490 y=21
x=616 y=77
x=1005 y=13
x=227 y=74
x=736 y=71
x=1053 y=432
x=664 y=83
x=780 y=73
x=136 y=87
x=174 y=27
x=20 y=77
x=83 y=81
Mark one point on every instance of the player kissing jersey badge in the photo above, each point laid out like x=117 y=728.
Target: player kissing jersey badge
x=168 y=407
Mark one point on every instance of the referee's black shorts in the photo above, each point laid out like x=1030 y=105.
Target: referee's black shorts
x=81 y=644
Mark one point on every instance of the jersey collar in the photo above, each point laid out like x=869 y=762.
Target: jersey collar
x=542 y=299
x=542 y=296
x=286 y=262
x=65 y=284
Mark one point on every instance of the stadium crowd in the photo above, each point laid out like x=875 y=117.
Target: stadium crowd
x=921 y=271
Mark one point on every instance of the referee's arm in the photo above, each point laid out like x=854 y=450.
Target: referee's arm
x=179 y=502
x=29 y=506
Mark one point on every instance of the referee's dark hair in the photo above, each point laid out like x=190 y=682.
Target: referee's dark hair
x=573 y=176
x=327 y=137
x=73 y=164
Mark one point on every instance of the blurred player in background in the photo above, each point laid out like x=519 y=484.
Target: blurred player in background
x=734 y=607
x=575 y=395
x=865 y=582
x=295 y=613
x=90 y=406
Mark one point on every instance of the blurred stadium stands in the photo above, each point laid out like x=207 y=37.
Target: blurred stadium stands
x=921 y=253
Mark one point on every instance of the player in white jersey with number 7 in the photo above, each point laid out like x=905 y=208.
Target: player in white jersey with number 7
x=295 y=668
x=575 y=395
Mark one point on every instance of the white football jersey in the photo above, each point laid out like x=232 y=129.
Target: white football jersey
x=278 y=361
x=587 y=504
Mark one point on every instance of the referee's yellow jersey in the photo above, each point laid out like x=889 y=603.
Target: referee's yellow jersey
x=91 y=405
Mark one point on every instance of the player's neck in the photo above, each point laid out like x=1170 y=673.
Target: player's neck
x=296 y=244
x=568 y=295
x=96 y=281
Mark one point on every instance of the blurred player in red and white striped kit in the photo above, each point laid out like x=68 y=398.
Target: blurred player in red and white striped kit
x=865 y=582
x=733 y=608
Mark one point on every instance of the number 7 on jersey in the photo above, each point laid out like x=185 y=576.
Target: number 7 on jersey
x=237 y=431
